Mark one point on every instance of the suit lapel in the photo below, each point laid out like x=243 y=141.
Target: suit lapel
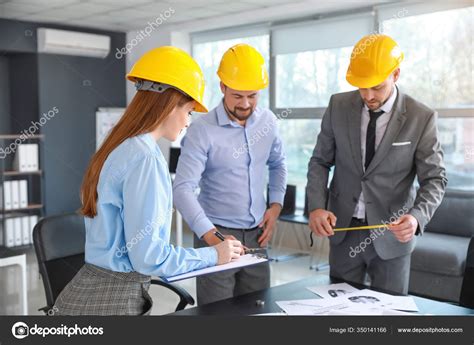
x=354 y=121
x=396 y=122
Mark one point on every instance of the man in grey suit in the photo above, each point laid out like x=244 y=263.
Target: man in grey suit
x=377 y=139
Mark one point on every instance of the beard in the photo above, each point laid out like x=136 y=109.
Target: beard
x=241 y=114
x=373 y=105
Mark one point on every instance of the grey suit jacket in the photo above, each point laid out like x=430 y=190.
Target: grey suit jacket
x=388 y=182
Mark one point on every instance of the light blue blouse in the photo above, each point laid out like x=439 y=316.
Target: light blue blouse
x=131 y=231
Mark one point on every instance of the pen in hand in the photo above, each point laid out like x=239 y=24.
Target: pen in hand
x=219 y=235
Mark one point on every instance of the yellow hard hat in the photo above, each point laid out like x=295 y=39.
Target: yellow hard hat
x=174 y=67
x=373 y=59
x=243 y=68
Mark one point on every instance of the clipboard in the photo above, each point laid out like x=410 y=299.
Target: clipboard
x=244 y=260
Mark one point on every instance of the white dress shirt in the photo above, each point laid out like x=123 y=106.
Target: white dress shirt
x=381 y=126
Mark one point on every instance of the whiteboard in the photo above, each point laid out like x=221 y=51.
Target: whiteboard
x=106 y=119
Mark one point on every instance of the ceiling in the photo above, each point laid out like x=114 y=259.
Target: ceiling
x=127 y=15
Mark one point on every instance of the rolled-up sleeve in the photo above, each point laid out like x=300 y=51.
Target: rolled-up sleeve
x=191 y=165
x=146 y=213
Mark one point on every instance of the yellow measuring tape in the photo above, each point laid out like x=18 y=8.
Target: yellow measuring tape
x=366 y=227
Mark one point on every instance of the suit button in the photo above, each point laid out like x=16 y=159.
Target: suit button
x=355 y=199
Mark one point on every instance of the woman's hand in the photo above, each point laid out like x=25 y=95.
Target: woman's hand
x=227 y=251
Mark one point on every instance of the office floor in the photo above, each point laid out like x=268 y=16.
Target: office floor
x=164 y=301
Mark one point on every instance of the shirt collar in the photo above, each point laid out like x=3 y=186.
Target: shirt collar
x=388 y=105
x=150 y=141
x=223 y=118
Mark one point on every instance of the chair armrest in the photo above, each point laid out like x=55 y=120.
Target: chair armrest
x=184 y=297
x=45 y=309
x=466 y=298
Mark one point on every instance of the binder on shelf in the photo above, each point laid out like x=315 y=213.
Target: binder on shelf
x=20 y=162
x=25 y=230
x=9 y=238
x=2 y=232
x=32 y=163
x=23 y=191
x=18 y=231
x=7 y=194
x=33 y=221
x=2 y=198
x=15 y=194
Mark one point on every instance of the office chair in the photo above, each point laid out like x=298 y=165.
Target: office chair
x=289 y=201
x=175 y=152
x=467 y=290
x=59 y=245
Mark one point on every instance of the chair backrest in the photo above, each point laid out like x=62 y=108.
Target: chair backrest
x=455 y=215
x=59 y=245
x=289 y=201
x=467 y=291
x=175 y=152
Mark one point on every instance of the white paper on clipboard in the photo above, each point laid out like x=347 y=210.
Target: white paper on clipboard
x=244 y=260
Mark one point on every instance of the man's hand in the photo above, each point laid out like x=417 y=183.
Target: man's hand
x=404 y=228
x=268 y=224
x=321 y=222
x=213 y=240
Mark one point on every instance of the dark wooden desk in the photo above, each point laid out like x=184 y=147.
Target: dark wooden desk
x=246 y=304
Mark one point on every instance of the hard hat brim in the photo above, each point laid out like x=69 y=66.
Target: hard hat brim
x=367 y=83
x=242 y=86
x=364 y=83
x=199 y=107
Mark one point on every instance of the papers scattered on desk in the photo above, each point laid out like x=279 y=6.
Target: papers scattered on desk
x=333 y=290
x=244 y=260
x=350 y=302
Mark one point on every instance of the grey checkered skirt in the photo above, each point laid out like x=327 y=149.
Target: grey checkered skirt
x=99 y=291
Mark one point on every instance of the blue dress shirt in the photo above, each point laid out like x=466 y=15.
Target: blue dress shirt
x=131 y=231
x=228 y=163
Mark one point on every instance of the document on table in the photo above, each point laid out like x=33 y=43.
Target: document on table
x=384 y=300
x=244 y=260
x=333 y=290
x=356 y=302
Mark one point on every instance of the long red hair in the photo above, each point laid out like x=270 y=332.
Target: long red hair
x=144 y=114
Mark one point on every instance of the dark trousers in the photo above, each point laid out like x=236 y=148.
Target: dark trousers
x=356 y=257
x=221 y=285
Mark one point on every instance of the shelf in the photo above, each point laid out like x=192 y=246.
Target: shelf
x=16 y=136
x=29 y=207
x=13 y=251
x=20 y=173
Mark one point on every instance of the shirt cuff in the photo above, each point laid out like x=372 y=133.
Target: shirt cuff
x=276 y=197
x=209 y=255
x=202 y=226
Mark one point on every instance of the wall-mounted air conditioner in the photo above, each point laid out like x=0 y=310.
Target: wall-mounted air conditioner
x=64 y=42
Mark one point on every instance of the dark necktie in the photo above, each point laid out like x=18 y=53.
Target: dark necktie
x=370 y=139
